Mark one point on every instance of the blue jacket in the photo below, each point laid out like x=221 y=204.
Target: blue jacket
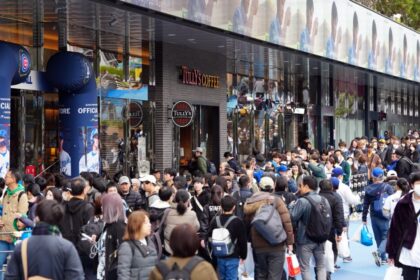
x=371 y=194
x=300 y=213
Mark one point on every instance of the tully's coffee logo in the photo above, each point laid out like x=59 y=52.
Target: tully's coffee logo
x=182 y=114
x=196 y=78
x=135 y=114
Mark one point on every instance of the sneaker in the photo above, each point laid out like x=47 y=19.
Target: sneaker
x=337 y=267
x=347 y=260
x=384 y=262
x=376 y=258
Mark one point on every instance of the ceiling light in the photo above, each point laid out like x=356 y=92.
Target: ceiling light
x=171 y=35
x=221 y=46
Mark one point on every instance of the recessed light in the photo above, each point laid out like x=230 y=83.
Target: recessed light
x=221 y=46
x=191 y=39
x=171 y=35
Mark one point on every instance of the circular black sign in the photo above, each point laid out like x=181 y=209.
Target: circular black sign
x=135 y=114
x=182 y=114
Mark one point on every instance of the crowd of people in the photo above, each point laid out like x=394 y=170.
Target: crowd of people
x=240 y=223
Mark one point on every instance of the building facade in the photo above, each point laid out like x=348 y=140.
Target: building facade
x=169 y=76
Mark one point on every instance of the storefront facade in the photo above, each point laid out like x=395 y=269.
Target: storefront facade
x=245 y=90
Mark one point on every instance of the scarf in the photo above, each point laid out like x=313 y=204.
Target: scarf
x=19 y=188
x=42 y=228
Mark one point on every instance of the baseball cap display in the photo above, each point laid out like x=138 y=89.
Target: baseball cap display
x=148 y=178
x=266 y=183
x=123 y=180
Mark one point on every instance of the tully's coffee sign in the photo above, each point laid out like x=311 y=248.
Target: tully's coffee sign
x=182 y=114
x=195 y=77
x=135 y=114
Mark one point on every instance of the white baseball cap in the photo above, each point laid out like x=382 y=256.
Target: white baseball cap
x=148 y=178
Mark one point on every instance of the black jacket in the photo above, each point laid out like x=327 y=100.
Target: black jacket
x=237 y=233
x=203 y=200
x=114 y=236
x=77 y=213
x=50 y=256
x=210 y=211
x=134 y=200
x=286 y=196
x=403 y=168
x=336 y=204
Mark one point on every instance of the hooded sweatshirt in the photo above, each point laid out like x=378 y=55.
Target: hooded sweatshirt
x=77 y=212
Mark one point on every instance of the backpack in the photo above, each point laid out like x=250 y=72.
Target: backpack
x=211 y=167
x=84 y=245
x=267 y=222
x=379 y=202
x=221 y=242
x=240 y=202
x=157 y=235
x=176 y=273
x=319 y=225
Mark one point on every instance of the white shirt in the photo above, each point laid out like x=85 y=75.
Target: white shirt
x=412 y=257
x=348 y=198
x=390 y=203
x=4 y=163
x=65 y=163
x=91 y=164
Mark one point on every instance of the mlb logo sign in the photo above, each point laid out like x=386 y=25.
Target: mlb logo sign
x=25 y=63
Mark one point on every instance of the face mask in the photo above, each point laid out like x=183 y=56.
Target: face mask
x=395 y=146
x=417 y=189
x=350 y=162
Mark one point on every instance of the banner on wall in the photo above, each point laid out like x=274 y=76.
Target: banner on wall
x=338 y=29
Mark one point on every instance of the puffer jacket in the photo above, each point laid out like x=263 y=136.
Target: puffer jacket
x=252 y=205
x=136 y=260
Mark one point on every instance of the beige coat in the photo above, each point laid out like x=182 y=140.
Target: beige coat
x=175 y=219
x=11 y=207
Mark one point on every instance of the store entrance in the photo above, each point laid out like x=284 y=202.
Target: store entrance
x=204 y=133
x=34 y=128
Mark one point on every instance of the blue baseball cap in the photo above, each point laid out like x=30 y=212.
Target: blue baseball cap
x=377 y=172
x=335 y=182
x=338 y=171
x=3 y=133
x=282 y=168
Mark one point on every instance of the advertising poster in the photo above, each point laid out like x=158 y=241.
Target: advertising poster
x=79 y=139
x=337 y=29
x=111 y=81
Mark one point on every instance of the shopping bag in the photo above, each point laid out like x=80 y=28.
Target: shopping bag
x=343 y=246
x=246 y=268
x=365 y=237
x=393 y=273
x=293 y=267
x=357 y=234
x=329 y=257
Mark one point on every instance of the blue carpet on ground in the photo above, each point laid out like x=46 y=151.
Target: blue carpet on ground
x=363 y=266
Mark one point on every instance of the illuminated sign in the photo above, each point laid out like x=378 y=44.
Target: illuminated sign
x=182 y=114
x=194 y=77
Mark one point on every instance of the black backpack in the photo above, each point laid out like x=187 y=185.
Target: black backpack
x=319 y=224
x=211 y=167
x=176 y=273
x=240 y=202
x=84 y=245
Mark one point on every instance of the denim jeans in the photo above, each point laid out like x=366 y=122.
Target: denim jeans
x=4 y=246
x=380 y=231
x=304 y=254
x=269 y=266
x=228 y=268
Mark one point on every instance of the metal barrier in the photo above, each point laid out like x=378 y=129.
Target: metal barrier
x=9 y=252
